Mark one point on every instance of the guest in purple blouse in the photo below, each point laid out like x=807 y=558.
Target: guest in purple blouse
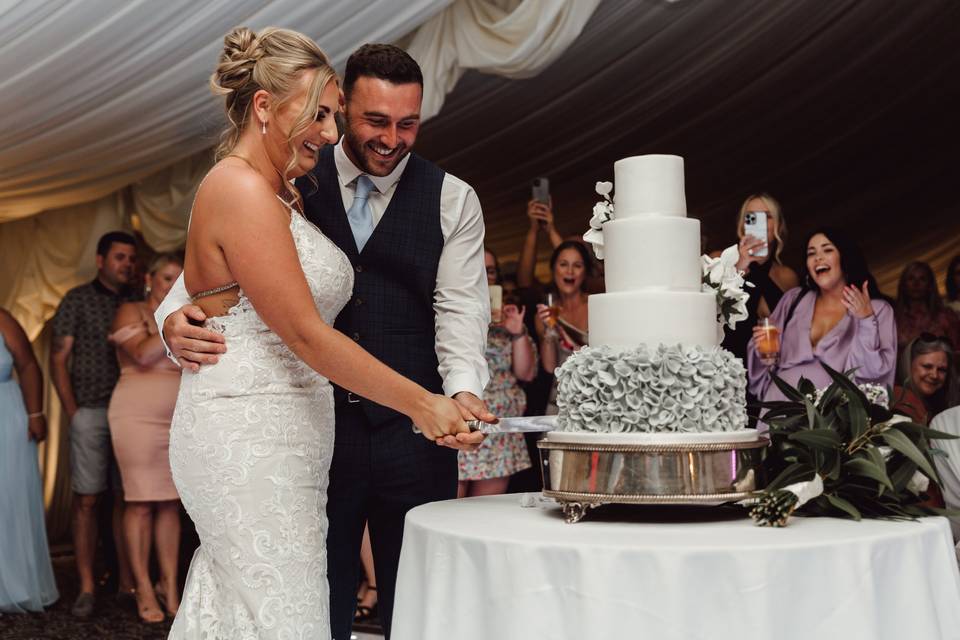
x=837 y=318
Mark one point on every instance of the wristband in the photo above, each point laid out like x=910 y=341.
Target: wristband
x=38 y=414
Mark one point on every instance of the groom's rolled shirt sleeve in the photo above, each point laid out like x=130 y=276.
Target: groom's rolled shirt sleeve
x=461 y=300
x=176 y=298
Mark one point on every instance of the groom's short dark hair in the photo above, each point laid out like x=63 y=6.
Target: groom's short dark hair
x=384 y=61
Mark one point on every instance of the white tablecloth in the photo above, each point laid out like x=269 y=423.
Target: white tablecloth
x=488 y=569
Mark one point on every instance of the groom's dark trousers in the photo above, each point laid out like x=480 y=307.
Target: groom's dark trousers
x=381 y=469
x=378 y=474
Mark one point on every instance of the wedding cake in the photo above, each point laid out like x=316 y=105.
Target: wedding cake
x=654 y=364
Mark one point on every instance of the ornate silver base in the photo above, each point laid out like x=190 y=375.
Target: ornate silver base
x=582 y=476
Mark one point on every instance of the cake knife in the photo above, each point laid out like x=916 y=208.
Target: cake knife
x=525 y=424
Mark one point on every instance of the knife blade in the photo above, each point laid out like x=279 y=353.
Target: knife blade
x=524 y=424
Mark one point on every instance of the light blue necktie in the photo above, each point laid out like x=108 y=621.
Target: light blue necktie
x=359 y=215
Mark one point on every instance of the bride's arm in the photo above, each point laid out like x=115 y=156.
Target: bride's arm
x=252 y=229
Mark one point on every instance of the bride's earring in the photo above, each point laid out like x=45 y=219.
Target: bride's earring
x=263 y=127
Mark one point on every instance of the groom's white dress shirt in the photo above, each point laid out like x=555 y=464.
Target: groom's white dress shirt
x=461 y=301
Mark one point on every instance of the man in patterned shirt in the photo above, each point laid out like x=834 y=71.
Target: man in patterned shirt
x=84 y=369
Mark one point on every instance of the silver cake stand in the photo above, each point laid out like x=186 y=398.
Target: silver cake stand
x=583 y=471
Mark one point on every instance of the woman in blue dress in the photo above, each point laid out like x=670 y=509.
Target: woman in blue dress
x=26 y=581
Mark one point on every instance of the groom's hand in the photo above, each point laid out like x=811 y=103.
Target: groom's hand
x=471 y=408
x=190 y=344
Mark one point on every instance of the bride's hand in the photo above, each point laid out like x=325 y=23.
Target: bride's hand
x=441 y=420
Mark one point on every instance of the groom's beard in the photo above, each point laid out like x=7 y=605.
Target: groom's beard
x=367 y=159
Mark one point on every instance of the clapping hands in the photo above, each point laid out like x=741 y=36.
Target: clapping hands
x=857 y=300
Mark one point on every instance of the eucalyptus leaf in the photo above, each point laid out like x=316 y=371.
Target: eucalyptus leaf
x=926 y=432
x=787 y=390
x=773 y=405
x=905 y=468
x=869 y=469
x=876 y=457
x=897 y=440
x=806 y=387
x=797 y=472
x=819 y=438
x=843 y=380
x=811 y=413
x=859 y=421
x=843 y=505
x=830 y=398
x=831 y=466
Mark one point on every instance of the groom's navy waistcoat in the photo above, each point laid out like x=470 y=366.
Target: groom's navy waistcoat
x=391 y=312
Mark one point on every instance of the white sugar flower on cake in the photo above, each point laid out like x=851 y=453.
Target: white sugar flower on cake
x=720 y=275
x=602 y=212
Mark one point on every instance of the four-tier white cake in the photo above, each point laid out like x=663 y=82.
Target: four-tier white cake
x=653 y=364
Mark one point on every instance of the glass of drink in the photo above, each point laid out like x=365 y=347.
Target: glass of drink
x=553 y=307
x=768 y=343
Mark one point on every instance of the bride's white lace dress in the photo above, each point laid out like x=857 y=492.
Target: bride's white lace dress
x=250 y=449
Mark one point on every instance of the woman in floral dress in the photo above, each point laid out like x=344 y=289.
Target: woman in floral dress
x=511 y=357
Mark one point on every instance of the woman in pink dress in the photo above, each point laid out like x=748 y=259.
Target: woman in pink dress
x=140 y=413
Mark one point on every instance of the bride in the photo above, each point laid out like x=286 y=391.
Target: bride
x=252 y=436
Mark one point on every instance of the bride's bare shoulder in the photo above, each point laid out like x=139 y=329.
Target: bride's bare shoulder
x=236 y=190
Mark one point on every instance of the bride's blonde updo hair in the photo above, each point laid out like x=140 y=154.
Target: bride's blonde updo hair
x=273 y=61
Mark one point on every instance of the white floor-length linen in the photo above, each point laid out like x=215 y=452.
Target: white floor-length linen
x=484 y=568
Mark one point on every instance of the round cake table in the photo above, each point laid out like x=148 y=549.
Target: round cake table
x=489 y=569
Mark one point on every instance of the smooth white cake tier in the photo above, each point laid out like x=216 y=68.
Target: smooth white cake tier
x=651 y=184
x=660 y=252
x=631 y=318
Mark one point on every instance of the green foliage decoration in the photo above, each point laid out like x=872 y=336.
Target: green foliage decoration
x=866 y=456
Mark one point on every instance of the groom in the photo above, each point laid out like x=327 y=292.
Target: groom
x=414 y=235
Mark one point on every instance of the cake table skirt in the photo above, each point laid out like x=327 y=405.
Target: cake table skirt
x=487 y=568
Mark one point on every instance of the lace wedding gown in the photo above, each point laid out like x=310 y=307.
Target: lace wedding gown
x=250 y=449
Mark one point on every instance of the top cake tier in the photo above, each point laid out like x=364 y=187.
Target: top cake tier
x=649 y=185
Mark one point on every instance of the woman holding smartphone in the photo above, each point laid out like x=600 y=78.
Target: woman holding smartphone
x=761 y=244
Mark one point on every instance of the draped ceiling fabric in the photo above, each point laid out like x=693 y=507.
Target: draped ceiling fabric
x=844 y=110
x=137 y=120
x=99 y=93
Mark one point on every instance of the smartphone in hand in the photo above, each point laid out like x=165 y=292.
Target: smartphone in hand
x=755 y=225
x=540 y=190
